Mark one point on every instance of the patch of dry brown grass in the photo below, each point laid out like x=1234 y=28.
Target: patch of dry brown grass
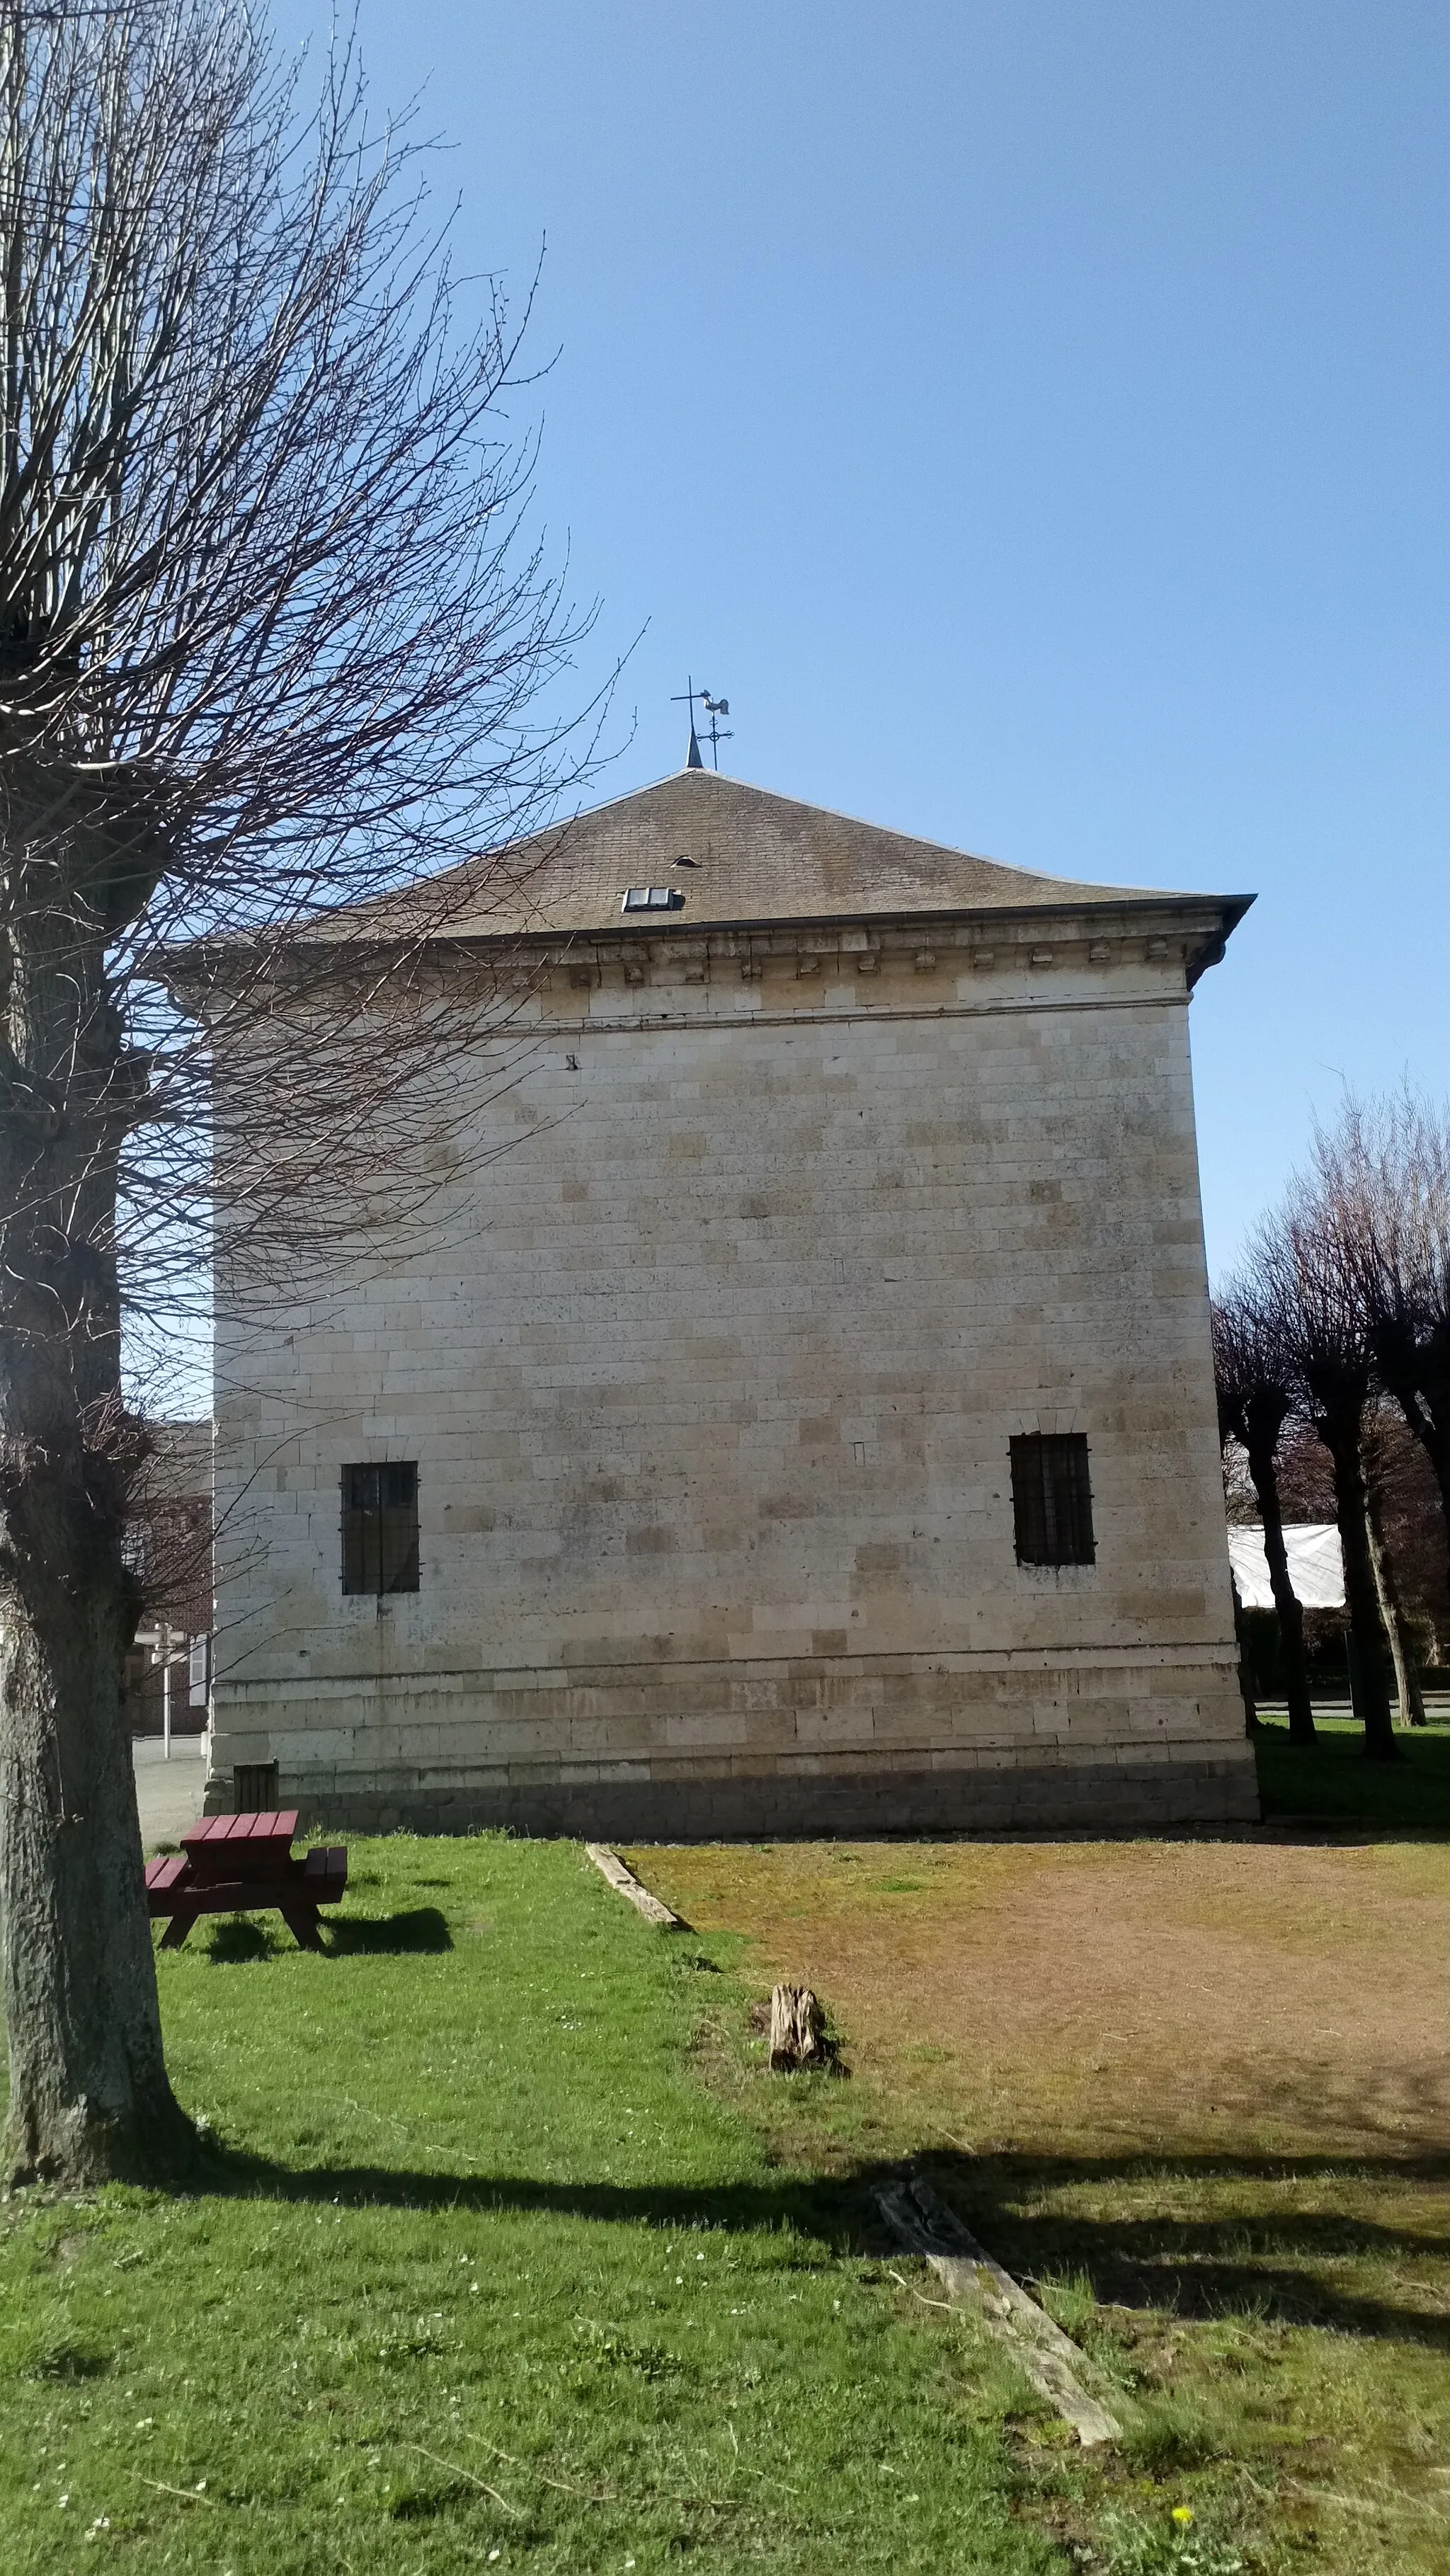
x=1174 y=1997
x=1208 y=2079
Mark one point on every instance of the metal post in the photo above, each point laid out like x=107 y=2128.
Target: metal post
x=166 y=1694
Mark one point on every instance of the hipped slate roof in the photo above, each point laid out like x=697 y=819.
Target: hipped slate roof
x=738 y=855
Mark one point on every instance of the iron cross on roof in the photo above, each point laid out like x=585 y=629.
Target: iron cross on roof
x=714 y=708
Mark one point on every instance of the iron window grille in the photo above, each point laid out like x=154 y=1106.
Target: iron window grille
x=1052 y=1502
x=380 y=1529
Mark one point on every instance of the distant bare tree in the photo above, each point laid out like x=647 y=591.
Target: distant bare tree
x=1404 y=1496
x=1414 y=1528
x=270 y=641
x=1387 y=1571
x=1385 y=1166
x=1254 y=1380
x=1306 y=1292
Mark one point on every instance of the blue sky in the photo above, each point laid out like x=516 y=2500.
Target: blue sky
x=1034 y=418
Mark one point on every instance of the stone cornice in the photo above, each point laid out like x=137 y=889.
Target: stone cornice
x=1177 y=936
x=1182 y=935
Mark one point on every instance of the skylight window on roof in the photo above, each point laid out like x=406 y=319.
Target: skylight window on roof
x=652 y=899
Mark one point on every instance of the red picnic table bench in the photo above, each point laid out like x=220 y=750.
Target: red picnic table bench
x=245 y=1865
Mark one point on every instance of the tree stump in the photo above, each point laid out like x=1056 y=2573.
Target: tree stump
x=795 y=2030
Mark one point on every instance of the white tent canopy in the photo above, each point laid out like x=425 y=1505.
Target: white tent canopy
x=1316 y=1565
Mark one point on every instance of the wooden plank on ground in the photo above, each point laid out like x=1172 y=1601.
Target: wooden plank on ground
x=925 y=2225
x=628 y=1885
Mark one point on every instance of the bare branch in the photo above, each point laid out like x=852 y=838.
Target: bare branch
x=276 y=626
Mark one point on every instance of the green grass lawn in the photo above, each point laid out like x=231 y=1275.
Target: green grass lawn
x=517 y=2255
x=495 y=2279
x=1332 y=1782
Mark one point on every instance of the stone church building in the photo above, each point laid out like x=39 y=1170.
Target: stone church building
x=814 y=1432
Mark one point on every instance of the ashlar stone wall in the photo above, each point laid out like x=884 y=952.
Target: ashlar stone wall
x=712 y=1405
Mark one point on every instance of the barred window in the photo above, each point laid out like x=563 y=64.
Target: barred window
x=380 y=1529
x=1052 y=1502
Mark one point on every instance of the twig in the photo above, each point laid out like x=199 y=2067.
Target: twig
x=598 y=2495
x=950 y=2306
x=456 y=2469
x=1410 y=2506
x=188 y=2495
x=591 y=2495
x=566 y=2486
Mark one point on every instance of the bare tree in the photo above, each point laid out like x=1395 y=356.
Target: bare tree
x=1386 y=1165
x=270 y=640
x=1254 y=1379
x=1306 y=1291
x=1414 y=1525
x=1387 y=1577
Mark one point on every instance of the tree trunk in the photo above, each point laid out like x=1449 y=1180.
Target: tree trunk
x=1246 y=1684
x=1407 y=1688
x=1437 y=1449
x=1286 y=1600
x=89 y=2096
x=1419 y=1381
x=1342 y=1438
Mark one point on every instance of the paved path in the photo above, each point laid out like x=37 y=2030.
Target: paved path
x=169 y=1794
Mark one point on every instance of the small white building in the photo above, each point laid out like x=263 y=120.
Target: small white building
x=818 y=1433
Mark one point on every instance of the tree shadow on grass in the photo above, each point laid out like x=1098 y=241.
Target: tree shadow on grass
x=1264 y=2254
x=1203 y=2267
x=239 y=1939
x=421 y=1928
x=1331 y=1781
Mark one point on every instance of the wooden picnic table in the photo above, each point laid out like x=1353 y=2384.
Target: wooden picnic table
x=243 y=1865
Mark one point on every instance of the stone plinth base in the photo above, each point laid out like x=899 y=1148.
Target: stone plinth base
x=1208 y=1789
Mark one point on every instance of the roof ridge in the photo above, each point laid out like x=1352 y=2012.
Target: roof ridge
x=713 y=780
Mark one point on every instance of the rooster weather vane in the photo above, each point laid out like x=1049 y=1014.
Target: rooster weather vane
x=714 y=708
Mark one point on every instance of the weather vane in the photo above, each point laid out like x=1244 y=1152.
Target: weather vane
x=714 y=708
